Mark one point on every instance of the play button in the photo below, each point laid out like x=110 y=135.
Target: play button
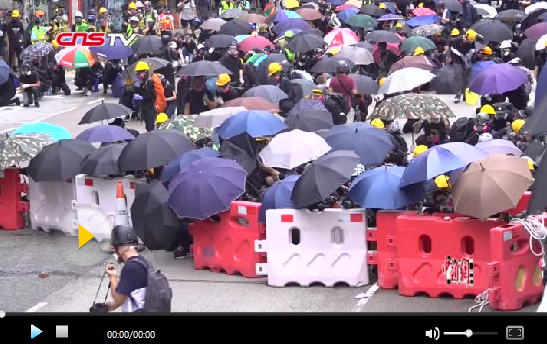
x=34 y=331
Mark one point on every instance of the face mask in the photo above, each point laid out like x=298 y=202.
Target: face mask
x=506 y=52
x=132 y=12
x=142 y=76
x=436 y=139
x=277 y=78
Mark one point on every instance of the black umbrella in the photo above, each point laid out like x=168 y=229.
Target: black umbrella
x=364 y=44
x=316 y=32
x=365 y=84
x=242 y=149
x=532 y=19
x=493 y=30
x=537 y=123
x=511 y=16
x=327 y=64
x=447 y=80
x=452 y=5
x=309 y=120
x=538 y=200
x=269 y=92
x=154 y=222
x=155 y=63
x=59 y=161
x=103 y=161
x=323 y=177
x=235 y=28
x=304 y=43
x=372 y=10
x=147 y=45
x=535 y=151
x=105 y=111
x=154 y=149
x=220 y=41
x=204 y=68
x=527 y=53
x=383 y=36
x=261 y=75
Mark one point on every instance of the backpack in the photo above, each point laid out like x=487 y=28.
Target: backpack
x=461 y=130
x=337 y=104
x=161 y=103
x=158 y=292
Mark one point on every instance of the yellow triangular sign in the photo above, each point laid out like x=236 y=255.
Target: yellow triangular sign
x=83 y=236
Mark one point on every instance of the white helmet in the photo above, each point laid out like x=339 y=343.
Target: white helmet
x=133 y=19
x=139 y=4
x=485 y=137
x=506 y=44
x=78 y=14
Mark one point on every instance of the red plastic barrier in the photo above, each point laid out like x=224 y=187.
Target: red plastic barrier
x=229 y=244
x=515 y=273
x=522 y=204
x=11 y=205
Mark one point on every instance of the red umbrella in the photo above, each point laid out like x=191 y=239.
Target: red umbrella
x=420 y=12
x=393 y=47
x=344 y=7
x=253 y=42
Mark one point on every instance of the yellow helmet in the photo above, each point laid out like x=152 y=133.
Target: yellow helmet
x=421 y=5
x=455 y=32
x=382 y=6
x=223 y=79
x=54 y=44
x=517 y=125
x=488 y=109
x=274 y=68
x=162 y=118
x=317 y=92
x=334 y=51
x=15 y=14
x=141 y=65
x=399 y=26
x=102 y=10
x=531 y=165
x=442 y=181
x=381 y=81
x=471 y=35
x=378 y=123
x=132 y=6
x=418 y=51
x=486 y=51
x=419 y=150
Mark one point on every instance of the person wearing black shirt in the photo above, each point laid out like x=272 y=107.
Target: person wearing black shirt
x=147 y=91
x=188 y=48
x=224 y=91
x=170 y=97
x=8 y=91
x=111 y=70
x=461 y=50
x=29 y=84
x=16 y=40
x=198 y=99
x=232 y=61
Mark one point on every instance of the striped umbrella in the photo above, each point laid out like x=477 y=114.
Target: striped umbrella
x=341 y=37
x=75 y=57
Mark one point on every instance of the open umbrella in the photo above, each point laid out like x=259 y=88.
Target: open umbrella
x=268 y=92
x=257 y=123
x=424 y=20
x=253 y=18
x=181 y=162
x=536 y=31
x=5 y=71
x=480 y=66
x=220 y=41
x=527 y=53
x=485 y=11
x=116 y=51
x=233 y=13
x=154 y=63
x=304 y=43
x=341 y=37
x=452 y=5
x=213 y=118
x=493 y=30
x=412 y=106
x=383 y=36
x=379 y=189
x=254 y=42
x=204 y=68
x=510 y=16
x=59 y=161
x=105 y=111
x=234 y=28
x=252 y=103
x=390 y=17
x=359 y=56
x=535 y=7
x=427 y=30
x=405 y=79
x=327 y=64
x=309 y=14
x=149 y=44
x=105 y=133
x=278 y=196
x=39 y=49
x=447 y=80
x=347 y=13
x=307 y=104
x=323 y=177
x=424 y=11
x=103 y=161
x=537 y=123
x=419 y=61
x=290 y=24
x=309 y=120
x=213 y=24
x=365 y=84
x=499 y=146
x=241 y=148
x=54 y=131
x=372 y=10
x=17 y=149
x=498 y=79
x=343 y=7
x=303 y=87
x=154 y=149
x=491 y=185
x=410 y=44
x=362 y=21
x=213 y=184
x=538 y=201
x=284 y=15
x=187 y=125
x=75 y=57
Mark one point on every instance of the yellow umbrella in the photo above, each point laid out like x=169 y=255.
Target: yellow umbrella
x=291 y=4
x=357 y=3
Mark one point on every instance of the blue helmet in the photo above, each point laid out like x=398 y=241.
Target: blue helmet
x=197 y=22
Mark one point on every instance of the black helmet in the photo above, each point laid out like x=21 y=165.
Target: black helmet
x=122 y=235
x=165 y=39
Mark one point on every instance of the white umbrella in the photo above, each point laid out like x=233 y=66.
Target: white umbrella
x=535 y=7
x=294 y=148
x=488 y=9
x=214 y=118
x=540 y=45
x=405 y=79
x=213 y=24
x=357 y=55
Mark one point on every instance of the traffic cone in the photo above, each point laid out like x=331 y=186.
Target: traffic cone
x=121 y=217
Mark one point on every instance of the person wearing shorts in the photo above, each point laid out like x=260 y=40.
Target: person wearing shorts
x=187 y=14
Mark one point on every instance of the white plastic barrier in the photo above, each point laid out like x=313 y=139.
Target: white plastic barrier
x=95 y=202
x=306 y=247
x=51 y=206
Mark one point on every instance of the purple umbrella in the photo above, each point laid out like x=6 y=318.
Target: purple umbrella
x=498 y=79
x=105 y=133
x=308 y=105
x=206 y=187
x=499 y=146
x=389 y=17
x=536 y=31
x=335 y=2
x=480 y=66
x=290 y=24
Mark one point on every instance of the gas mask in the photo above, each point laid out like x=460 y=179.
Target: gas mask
x=132 y=12
x=505 y=52
x=78 y=20
x=142 y=76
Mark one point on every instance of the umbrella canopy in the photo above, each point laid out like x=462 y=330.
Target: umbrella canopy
x=537 y=123
x=491 y=185
x=309 y=14
x=447 y=80
x=440 y=160
x=405 y=79
x=268 y=92
x=410 y=44
x=39 y=49
x=362 y=21
x=535 y=7
x=252 y=103
x=154 y=149
x=235 y=27
x=533 y=18
x=242 y=149
x=149 y=44
x=419 y=61
x=327 y=64
x=427 y=30
x=117 y=51
x=233 y=13
x=390 y=17
x=213 y=184
x=294 y=148
x=347 y=13
x=5 y=71
x=485 y=10
x=527 y=53
x=17 y=149
x=304 y=43
x=498 y=79
x=536 y=31
x=372 y=145
x=423 y=20
x=257 y=123
x=153 y=221
x=412 y=106
x=220 y=41
x=340 y=8
x=254 y=42
x=252 y=18
x=213 y=24
x=383 y=36
x=154 y=63
x=290 y=24
x=284 y=15
x=181 y=162
x=59 y=161
x=213 y=118
x=307 y=104
x=105 y=111
x=372 y=10
x=187 y=125
x=103 y=161
x=452 y=5
x=75 y=57
x=204 y=68
x=341 y=37
x=105 y=133
x=54 y=131
x=538 y=201
x=511 y=16
x=323 y=177
x=499 y=146
x=278 y=196
x=359 y=56
x=309 y=120
x=303 y=86
x=379 y=189
x=424 y=11
x=481 y=66
x=493 y=30
x=365 y=84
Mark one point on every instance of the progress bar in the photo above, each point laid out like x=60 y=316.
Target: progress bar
x=469 y=333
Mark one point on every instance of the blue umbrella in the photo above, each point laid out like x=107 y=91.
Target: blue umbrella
x=499 y=146
x=278 y=196
x=541 y=87
x=379 y=189
x=372 y=145
x=291 y=24
x=347 y=13
x=56 y=132
x=240 y=38
x=105 y=133
x=336 y=2
x=481 y=66
x=256 y=123
x=440 y=160
x=206 y=187
x=390 y=7
x=118 y=51
x=179 y=163
x=4 y=72
x=421 y=21
x=498 y=79
x=284 y=15
x=389 y=17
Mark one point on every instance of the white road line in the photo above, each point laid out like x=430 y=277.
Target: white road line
x=94 y=101
x=68 y=110
x=37 y=307
x=366 y=298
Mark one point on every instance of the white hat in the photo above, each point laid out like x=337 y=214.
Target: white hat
x=139 y=4
x=505 y=44
x=78 y=14
x=134 y=19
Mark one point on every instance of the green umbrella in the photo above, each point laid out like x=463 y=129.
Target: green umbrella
x=19 y=148
x=186 y=124
x=412 y=106
x=362 y=21
x=410 y=44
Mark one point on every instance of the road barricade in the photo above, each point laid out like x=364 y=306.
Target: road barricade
x=306 y=247
x=229 y=245
x=522 y=204
x=12 y=206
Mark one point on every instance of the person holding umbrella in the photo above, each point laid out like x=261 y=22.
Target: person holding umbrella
x=461 y=50
x=147 y=91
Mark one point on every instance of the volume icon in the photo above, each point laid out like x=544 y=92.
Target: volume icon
x=434 y=333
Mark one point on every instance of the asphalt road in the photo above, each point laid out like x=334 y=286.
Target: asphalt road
x=74 y=274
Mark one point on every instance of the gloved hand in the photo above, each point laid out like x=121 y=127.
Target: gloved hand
x=137 y=97
x=241 y=81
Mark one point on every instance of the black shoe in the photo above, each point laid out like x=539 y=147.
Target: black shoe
x=17 y=101
x=79 y=88
x=25 y=105
x=36 y=104
x=181 y=253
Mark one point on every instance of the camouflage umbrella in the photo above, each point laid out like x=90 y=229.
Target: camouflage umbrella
x=186 y=124
x=39 y=49
x=426 y=30
x=20 y=148
x=412 y=106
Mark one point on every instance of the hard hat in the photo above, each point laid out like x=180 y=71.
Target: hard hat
x=223 y=79
x=342 y=66
x=506 y=44
x=274 y=68
x=418 y=51
x=488 y=109
x=485 y=137
x=471 y=35
x=334 y=51
x=102 y=10
x=39 y=13
x=399 y=26
x=455 y=32
x=132 y=6
x=288 y=34
x=162 y=118
x=442 y=181
x=141 y=65
x=381 y=81
x=134 y=19
x=531 y=166
x=486 y=51
x=419 y=150
x=382 y=6
x=139 y=4
x=78 y=14
x=262 y=29
x=517 y=125
x=15 y=14
x=378 y=123
x=421 y=5
x=317 y=92
x=54 y=44
x=123 y=235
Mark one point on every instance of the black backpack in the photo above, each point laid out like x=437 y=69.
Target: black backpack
x=461 y=130
x=336 y=104
x=158 y=292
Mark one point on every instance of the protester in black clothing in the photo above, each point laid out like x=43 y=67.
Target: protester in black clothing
x=198 y=99
x=232 y=61
x=8 y=91
x=58 y=80
x=170 y=97
x=16 y=40
x=29 y=84
x=189 y=48
x=147 y=91
x=183 y=86
x=224 y=91
x=461 y=51
x=112 y=69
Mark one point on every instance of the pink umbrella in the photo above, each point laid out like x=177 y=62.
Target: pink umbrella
x=394 y=47
x=344 y=7
x=420 y=12
x=253 y=42
x=341 y=37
